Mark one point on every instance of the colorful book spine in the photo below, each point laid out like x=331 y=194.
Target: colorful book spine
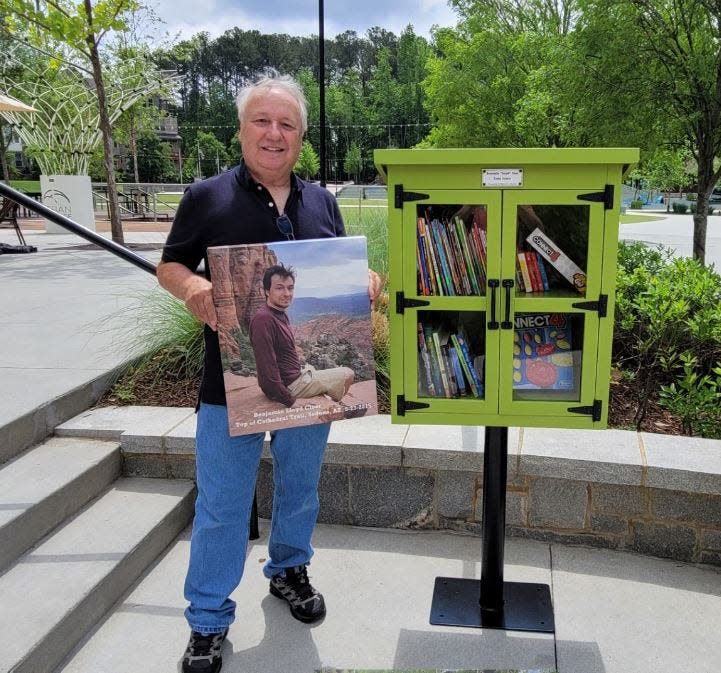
x=533 y=272
x=523 y=266
x=433 y=357
x=425 y=364
x=542 y=270
x=469 y=362
x=456 y=364
x=434 y=275
x=444 y=272
x=464 y=365
x=441 y=367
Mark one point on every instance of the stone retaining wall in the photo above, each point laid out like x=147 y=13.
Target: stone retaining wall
x=658 y=495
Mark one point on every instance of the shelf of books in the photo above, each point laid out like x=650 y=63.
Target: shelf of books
x=502 y=287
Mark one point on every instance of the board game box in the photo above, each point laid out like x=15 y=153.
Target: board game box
x=542 y=353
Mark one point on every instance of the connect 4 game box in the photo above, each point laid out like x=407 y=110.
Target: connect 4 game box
x=542 y=355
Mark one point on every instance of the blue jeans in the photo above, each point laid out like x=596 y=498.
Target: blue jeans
x=226 y=469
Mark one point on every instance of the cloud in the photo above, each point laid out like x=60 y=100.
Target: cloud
x=301 y=16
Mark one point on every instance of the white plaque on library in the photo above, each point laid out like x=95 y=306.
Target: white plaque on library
x=502 y=177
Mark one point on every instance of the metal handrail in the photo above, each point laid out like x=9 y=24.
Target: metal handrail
x=119 y=251
x=88 y=234
x=98 y=195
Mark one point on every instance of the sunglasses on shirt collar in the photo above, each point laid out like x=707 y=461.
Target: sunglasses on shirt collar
x=285 y=226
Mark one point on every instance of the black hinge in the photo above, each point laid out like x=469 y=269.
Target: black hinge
x=593 y=411
x=601 y=305
x=402 y=303
x=402 y=196
x=605 y=197
x=402 y=406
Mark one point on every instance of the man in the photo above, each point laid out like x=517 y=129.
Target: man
x=280 y=375
x=259 y=201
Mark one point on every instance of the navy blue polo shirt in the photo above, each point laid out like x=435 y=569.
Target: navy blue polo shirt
x=233 y=209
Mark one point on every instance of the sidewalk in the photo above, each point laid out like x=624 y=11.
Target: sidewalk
x=615 y=612
x=62 y=307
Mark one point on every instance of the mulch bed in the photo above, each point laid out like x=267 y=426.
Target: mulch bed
x=184 y=393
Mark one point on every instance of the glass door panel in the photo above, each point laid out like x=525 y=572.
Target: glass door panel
x=451 y=370
x=452 y=234
x=548 y=360
x=554 y=241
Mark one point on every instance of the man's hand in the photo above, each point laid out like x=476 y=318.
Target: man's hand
x=199 y=301
x=375 y=285
x=194 y=290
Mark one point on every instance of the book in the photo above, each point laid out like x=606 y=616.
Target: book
x=441 y=363
x=534 y=272
x=542 y=271
x=465 y=366
x=456 y=363
x=426 y=384
x=474 y=376
x=329 y=316
x=523 y=266
x=558 y=259
x=542 y=352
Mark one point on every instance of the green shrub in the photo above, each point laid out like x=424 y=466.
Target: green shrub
x=691 y=196
x=695 y=398
x=679 y=208
x=709 y=209
x=664 y=308
x=636 y=204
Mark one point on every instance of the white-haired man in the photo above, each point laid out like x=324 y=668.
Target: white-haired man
x=259 y=201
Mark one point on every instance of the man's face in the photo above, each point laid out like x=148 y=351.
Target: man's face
x=271 y=134
x=280 y=294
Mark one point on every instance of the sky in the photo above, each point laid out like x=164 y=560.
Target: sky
x=300 y=17
x=340 y=267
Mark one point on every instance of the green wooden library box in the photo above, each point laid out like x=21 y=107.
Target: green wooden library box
x=502 y=278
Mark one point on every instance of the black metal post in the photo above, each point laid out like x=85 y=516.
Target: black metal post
x=321 y=77
x=493 y=603
x=495 y=459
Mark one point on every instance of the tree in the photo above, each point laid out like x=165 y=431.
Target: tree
x=138 y=121
x=494 y=80
x=353 y=161
x=155 y=163
x=207 y=157
x=308 y=163
x=679 y=44
x=82 y=27
x=666 y=171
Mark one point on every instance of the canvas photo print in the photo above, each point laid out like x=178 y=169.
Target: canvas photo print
x=294 y=332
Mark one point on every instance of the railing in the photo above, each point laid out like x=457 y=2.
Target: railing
x=137 y=204
x=113 y=247
x=49 y=214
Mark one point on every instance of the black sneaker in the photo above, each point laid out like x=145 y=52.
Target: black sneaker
x=203 y=653
x=306 y=604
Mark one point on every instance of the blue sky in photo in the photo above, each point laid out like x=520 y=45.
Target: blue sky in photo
x=327 y=267
x=300 y=17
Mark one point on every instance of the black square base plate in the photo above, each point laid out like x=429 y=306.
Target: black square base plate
x=526 y=606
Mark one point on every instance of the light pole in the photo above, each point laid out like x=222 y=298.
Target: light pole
x=321 y=76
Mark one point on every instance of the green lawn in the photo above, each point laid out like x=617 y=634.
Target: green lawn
x=25 y=185
x=635 y=218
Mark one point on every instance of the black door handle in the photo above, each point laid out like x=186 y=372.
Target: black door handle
x=508 y=284
x=493 y=284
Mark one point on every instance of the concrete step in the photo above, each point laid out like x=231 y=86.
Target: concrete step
x=47 y=484
x=59 y=590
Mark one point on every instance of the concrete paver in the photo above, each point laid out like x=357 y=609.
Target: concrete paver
x=615 y=612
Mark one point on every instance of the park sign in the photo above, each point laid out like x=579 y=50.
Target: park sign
x=69 y=195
